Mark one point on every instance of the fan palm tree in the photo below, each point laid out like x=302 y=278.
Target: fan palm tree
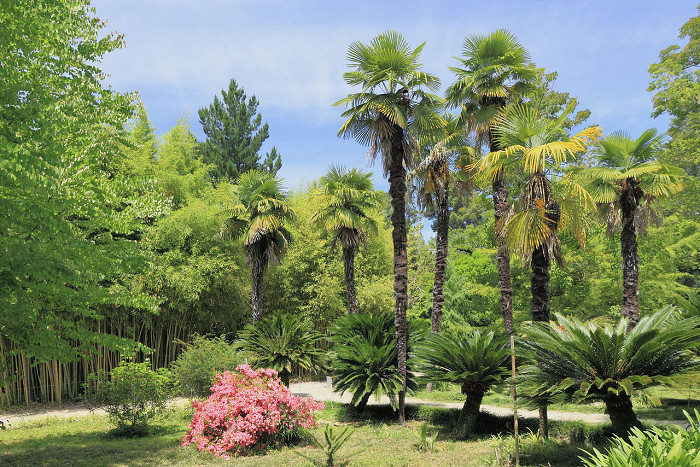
x=392 y=101
x=582 y=361
x=495 y=70
x=431 y=178
x=258 y=217
x=345 y=199
x=282 y=342
x=628 y=179
x=476 y=362
x=536 y=145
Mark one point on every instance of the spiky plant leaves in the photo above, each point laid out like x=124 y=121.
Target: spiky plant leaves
x=283 y=342
x=583 y=361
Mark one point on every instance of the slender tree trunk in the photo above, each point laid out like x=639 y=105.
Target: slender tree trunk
x=469 y=414
x=539 y=309
x=630 y=258
x=349 y=263
x=257 y=292
x=397 y=190
x=441 y=241
x=621 y=414
x=500 y=209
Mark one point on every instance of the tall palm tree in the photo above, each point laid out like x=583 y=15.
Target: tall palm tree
x=537 y=145
x=431 y=179
x=495 y=70
x=345 y=199
x=392 y=101
x=258 y=217
x=628 y=180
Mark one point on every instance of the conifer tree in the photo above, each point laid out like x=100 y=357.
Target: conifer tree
x=235 y=135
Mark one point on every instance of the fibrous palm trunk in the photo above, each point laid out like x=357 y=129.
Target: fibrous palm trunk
x=441 y=241
x=469 y=414
x=621 y=414
x=397 y=190
x=500 y=209
x=349 y=263
x=629 y=201
x=539 y=309
x=258 y=272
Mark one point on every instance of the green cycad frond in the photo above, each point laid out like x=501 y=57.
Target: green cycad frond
x=475 y=361
x=586 y=361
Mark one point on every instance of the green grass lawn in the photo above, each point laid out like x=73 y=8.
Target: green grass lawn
x=376 y=440
x=673 y=402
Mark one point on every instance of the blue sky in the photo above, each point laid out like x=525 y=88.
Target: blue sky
x=291 y=55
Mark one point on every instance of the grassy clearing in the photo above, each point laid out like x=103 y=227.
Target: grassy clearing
x=376 y=440
x=673 y=402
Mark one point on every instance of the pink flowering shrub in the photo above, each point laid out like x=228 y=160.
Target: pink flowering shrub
x=248 y=411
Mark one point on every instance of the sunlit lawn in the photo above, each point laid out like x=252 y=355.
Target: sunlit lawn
x=376 y=440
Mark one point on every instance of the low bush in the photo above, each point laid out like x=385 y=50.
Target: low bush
x=134 y=395
x=247 y=412
x=202 y=360
x=656 y=446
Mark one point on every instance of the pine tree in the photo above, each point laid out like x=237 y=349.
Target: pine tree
x=235 y=135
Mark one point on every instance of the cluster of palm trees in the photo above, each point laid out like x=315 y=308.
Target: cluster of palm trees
x=395 y=114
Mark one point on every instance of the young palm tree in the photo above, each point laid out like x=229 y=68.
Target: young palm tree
x=345 y=198
x=258 y=217
x=391 y=102
x=432 y=178
x=582 y=361
x=476 y=362
x=495 y=71
x=282 y=342
x=535 y=145
x=628 y=180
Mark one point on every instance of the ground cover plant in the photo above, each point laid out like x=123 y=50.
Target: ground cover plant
x=248 y=411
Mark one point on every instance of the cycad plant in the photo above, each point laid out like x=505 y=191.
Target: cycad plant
x=627 y=180
x=583 y=361
x=365 y=360
x=476 y=362
x=282 y=342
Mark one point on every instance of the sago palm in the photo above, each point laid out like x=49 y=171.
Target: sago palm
x=392 y=101
x=282 y=342
x=365 y=359
x=495 y=70
x=346 y=199
x=584 y=361
x=258 y=216
x=628 y=179
x=476 y=362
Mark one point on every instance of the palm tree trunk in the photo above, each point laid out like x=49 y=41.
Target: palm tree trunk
x=349 y=263
x=441 y=241
x=284 y=376
x=630 y=258
x=539 y=309
x=469 y=414
x=257 y=291
x=500 y=209
x=621 y=414
x=397 y=190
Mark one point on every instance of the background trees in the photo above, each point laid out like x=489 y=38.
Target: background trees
x=234 y=136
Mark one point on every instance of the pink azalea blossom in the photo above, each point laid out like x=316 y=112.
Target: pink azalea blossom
x=248 y=410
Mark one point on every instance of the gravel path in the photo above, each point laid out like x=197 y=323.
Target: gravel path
x=317 y=390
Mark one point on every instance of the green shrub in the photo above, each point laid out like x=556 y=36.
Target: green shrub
x=653 y=447
x=202 y=360
x=134 y=395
